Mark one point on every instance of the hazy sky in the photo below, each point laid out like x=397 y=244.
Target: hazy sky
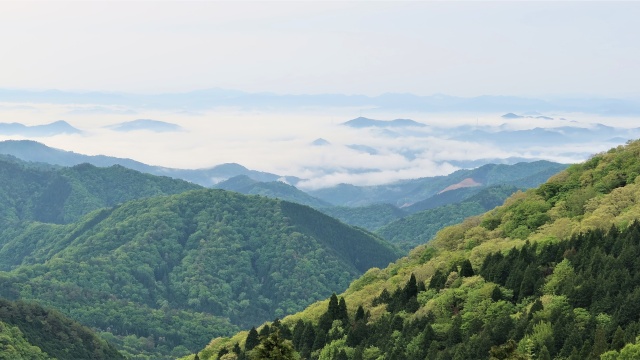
x=456 y=48
x=533 y=49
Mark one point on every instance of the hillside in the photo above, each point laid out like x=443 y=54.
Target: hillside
x=29 y=331
x=369 y=217
x=164 y=274
x=62 y=195
x=418 y=228
x=553 y=273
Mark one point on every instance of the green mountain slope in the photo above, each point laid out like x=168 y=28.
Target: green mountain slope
x=62 y=195
x=28 y=331
x=553 y=273
x=173 y=271
x=369 y=217
x=422 y=226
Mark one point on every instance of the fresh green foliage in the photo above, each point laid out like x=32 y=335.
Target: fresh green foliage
x=13 y=345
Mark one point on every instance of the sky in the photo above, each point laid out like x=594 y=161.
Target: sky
x=538 y=49
x=530 y=49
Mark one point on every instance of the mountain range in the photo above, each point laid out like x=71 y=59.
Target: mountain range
x=211 y=98
x=54 y=128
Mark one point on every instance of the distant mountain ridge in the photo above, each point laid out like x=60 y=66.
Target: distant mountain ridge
x=211 y=98
x=362 y=122
x=407 y=192
x=54 y=128
x=146 y=124
x=272 y=189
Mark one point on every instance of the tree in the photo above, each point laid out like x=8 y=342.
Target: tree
x=253 y=339
x=466 y=269
x=275 y=347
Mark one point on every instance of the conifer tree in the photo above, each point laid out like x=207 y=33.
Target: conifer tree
x=466 y=269
x=343 y=314
x=253 y=339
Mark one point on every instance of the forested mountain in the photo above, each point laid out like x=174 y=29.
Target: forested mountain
x=61 y=195
x=272 y=189
x=159 y=276
x=553 y=273
x=28 y=331
x=418 y=228
x=408 y=192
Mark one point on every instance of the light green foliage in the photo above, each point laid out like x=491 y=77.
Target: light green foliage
x=629 y=352
x=330 y=351
x=13 y=345
x=561 y=279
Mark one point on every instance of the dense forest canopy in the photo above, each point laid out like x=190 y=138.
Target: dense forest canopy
x=159 y=276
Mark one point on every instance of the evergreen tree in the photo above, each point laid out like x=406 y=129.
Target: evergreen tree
x=360 y=315
x=298 y=331
x=320 y=340
x=617 y=342
x=466 y=269
x=253 y=339
x=343 y=314
x=342 y=355
x=544 y=353
x=496 y=294
x=265 y=331
x=411 y=289
x=437 y=280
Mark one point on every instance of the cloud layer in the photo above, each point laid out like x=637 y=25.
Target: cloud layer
x=281 y=143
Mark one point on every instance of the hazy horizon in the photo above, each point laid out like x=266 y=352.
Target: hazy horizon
x=583 y=53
